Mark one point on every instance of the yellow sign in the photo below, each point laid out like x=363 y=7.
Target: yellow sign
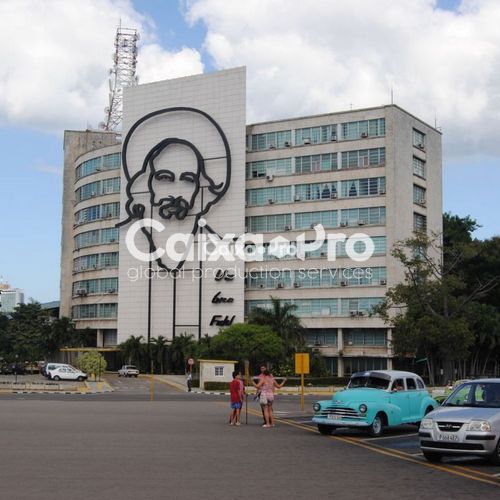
x=302 y=363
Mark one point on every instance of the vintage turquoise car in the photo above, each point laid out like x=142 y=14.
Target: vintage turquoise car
x=374 y=400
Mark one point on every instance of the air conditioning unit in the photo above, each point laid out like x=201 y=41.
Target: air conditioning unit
x=270 y=201
x=296 y=285
x=112 y=240
x=343 y=283
x=361 y=313
x=383 y=282
x=317 y=342
x=323 y=254
x=269 y=178
x=93 y=193
x=381 y=191
x=361 y=222
x=333 y=196
x=333 y=137
x=422 y=201
x=350 y=342
x=296 y=198
x=112 y=290
x=287 y=144
x=98 y=169
x=325 y=311
x=109 y=215
x=420 y=146
x=280 y=285
x=314 y=224
x=272 y=146
x=261 y=285
x=307 y=141
x=246 y=229
x=94 y=266
x=288 y=228
x=81 y=291
x=344 y=224
x=353 y=314
x=364 y=135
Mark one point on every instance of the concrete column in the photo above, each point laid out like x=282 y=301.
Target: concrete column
x=340 y=347
x=100 y=338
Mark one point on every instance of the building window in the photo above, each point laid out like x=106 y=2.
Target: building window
x=419 y=194
x=363 y=158
x=362 y=364
x=107 y=162
x=418 y=139
x=268 y=223
x=256 y=169
x=361 y=306
x=271 y=140
x=363 y=187
x=363 y=129
x=315 y=135
x=419 y=167
x=419 y=223
x=307 y=220
x=219 y=371
x=104 y=285
x=98 y=188
x=265 y=196
x=91 y=311
x=316 y=163
x=95 y=261
x=109 y=337
x=319 y=191
x=324 y=337
x=362 y=216
x=365 y=336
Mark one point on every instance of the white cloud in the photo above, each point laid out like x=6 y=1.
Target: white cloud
x=49 y=169
x=56 y=54
x=324 y=55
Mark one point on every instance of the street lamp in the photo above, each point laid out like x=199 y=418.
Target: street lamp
x=15 y=367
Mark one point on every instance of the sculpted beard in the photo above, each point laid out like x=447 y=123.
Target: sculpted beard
x=176 y=207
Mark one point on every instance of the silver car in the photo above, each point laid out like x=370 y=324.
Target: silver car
x=467 y=423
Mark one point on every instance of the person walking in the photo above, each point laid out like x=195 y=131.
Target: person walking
x=236 y=394
x=189 y=381
x=266 y=387
x=255 y=381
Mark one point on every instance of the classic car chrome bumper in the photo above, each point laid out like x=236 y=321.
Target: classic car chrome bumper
x=340 y=422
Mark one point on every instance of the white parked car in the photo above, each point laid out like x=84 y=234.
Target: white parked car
x=128 y=371
x=67 y=372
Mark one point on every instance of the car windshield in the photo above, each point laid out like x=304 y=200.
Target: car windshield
x=373 y=382
x=475 y=394
x=131 y=367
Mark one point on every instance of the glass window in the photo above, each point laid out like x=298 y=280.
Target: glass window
x=272 y=140
x=264 y=196
x=418 y=194
x=419 y=223
x=363 y=158
x=418 y=139
x=268 y=223
x=362 y=216
x=256 y=169
x=362 y=364
x=315 y=135
x=306 y=220
x=411 y=385
x=363 y=129
x=419 y=167
x=107 y=162
x=319 y=191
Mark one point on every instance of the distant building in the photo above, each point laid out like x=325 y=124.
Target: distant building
x=10 y=298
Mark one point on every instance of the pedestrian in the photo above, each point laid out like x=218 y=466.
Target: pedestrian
x=255 y=381
x=189 y=380
x=266 y=387
x=236 y=394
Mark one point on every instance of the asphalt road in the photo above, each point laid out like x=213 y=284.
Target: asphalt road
x=123 y=446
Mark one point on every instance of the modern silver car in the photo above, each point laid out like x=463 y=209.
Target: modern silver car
x=467 y=423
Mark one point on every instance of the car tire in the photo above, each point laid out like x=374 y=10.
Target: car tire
x=495 y=457
x=377 y=426
x=326 y=430
x=136 y=376
x=57 y=378
x=432 y=456
x=80 y=379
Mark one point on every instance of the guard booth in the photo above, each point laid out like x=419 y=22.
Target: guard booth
x=216 y=370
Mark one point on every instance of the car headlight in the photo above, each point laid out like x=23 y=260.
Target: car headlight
x=363 y=408
x=427 y=423
x=479 y=425
x=316 y=407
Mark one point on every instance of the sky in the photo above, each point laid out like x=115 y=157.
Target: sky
x=440 y=57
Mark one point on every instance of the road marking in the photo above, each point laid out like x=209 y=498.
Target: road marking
x=395 y=454
x=391 y=437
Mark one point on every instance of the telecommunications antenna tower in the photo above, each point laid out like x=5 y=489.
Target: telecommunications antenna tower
x=121 y=75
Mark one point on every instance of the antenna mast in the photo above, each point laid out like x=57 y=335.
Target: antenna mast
x=121 y=75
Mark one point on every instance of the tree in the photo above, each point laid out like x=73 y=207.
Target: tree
x=281 y=318
x=247 y=341
x=92 y=362
x=430 y=310
x=134 y=350
x=159 y=348
x=182 y=347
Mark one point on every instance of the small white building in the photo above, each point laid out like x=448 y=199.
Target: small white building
x=215 y=370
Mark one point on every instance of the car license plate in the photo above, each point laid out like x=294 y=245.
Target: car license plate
x=332 y=416
x=447 y=437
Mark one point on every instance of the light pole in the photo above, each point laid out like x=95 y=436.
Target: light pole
x=15 y=367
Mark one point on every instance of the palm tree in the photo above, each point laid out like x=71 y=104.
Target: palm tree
x=159 y=347
x=182 y=347
x=281 y=318
x=133 y=349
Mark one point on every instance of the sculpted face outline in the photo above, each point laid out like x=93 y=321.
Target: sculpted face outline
x=171 y=206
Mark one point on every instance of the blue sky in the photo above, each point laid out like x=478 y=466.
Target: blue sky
x=215 y=37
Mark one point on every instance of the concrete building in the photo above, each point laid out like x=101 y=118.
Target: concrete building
x=374 y=171
x=10 y=298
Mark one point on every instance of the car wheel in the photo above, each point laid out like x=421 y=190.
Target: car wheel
x=135 y=376
x=432 y=456
x=80 y=379
x=495 y=458
x=376 y=428
x=57 y=378
x=326 y=430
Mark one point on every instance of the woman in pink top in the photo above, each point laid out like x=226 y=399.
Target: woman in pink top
x=266 y=387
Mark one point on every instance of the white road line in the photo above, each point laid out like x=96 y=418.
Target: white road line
x=391 y=437
x=417 y=454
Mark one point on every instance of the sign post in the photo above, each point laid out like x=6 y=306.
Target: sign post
x=302 y=368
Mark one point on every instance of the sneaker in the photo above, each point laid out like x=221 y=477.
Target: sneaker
x=237 y=423
x=231 y=423
x=265 y=425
